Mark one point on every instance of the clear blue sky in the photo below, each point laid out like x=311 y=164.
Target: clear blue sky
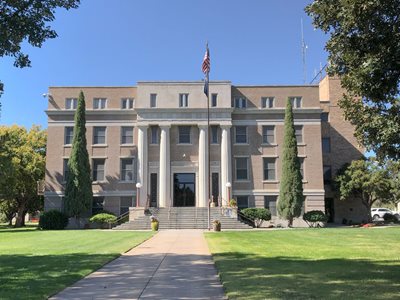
x=117 y=43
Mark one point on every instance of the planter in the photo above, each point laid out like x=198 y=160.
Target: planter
x=217 y=226
x=154 y=226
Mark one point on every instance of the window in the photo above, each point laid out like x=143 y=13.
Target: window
x=214 y=100
x=214 y=134
x=240 y=102
x=301 y=161
x=69 y=135
x=241 y=135
x=97 y=205
x=326 y=145
x=127 y=169
x=268 y=134
x=98 y=169
x=126 y=103
x=126 y=135
x=267 y=102
x=327 y=174
x=99 y=135
x=71 y=103
x=183 y=100
x=269 y=168
x=65 y=169
x=296 y=102
x=184 y=134
x=299 y=133
x=125 y=203
x=153 y=100
x=154 y=135
x=99 y=103
x=270 y=203
x=241 y=168
x=242 y=201
x=325 y=117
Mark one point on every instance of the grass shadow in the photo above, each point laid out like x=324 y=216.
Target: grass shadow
x=248 y=276
x=40 y=276
x=6 y=228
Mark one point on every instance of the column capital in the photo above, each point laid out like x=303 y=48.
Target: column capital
x=142 y=126
x=226 y=126
x=202 y=126
x=165 y=127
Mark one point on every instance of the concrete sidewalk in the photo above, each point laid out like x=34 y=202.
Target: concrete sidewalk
x=174 y=264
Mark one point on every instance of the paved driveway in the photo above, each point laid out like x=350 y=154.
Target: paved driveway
x=174 y=264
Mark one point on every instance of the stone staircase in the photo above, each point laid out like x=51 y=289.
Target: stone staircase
x=183 y=218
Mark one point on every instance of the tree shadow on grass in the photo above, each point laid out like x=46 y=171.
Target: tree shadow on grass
x=27 y=228
x=247 y=276
x=179 y=276
x=39 y=276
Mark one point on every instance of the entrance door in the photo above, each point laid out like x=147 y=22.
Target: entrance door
x=184 y=189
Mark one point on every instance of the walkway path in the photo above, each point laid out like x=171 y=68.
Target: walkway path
x=174 y=264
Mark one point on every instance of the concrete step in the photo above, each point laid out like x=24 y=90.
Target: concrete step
x=183 y=218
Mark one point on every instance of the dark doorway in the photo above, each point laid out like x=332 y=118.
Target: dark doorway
x=184 y=189
x=215 y=187
x=330 y=209
x=153 y=190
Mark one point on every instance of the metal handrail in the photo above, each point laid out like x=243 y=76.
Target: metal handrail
x=147 y=202
x=240 y=214
x=120 y=218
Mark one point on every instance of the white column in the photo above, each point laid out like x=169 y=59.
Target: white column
x=226 y=162
x=165 y=169
x=203 y=166
x=142 y=164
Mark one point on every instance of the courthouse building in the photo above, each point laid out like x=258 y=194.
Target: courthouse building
x=155 y=134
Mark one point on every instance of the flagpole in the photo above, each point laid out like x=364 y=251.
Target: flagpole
x=206 y=70
x=209 y=154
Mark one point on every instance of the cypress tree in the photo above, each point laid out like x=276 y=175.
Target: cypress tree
x=291 y=188
x=78 y=191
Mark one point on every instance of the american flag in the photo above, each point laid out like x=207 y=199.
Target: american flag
x=205 y=67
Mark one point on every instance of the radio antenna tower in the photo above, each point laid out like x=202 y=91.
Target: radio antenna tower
x=303 y=53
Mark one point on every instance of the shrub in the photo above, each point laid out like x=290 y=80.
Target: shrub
x=104 y=211
x=103 y=218
x=389 y=218
x=53 y=219
x=257 y=215
x=233 y=203
x=314 y=217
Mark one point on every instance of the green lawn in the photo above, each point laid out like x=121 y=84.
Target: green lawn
x=343 y=263
x=35 y=264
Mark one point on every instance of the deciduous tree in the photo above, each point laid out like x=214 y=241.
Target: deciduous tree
x=364 y=51
x=291 y=196
x=78 y=191
x=22 y=164
x=366 y=181
x=27 y=20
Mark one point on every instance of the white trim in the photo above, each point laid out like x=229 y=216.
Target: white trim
x=271 y=181
x=274 y=122
x=276 y=192
x=99 y=123
x=95 y=193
